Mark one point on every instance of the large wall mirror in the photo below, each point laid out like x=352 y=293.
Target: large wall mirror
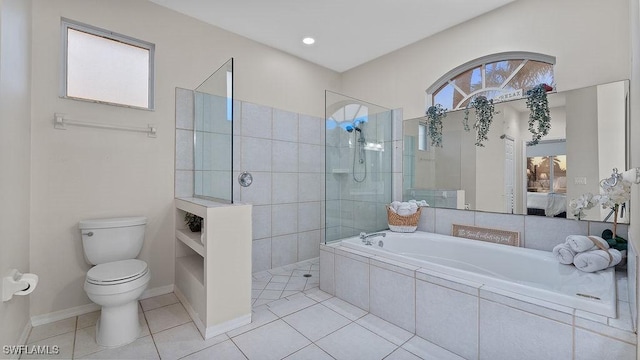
x=586 y=141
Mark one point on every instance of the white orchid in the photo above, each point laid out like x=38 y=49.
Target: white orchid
x=583 y=202
x=610 y=198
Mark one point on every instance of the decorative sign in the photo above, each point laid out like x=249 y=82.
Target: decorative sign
x=489 y=235
x=508 y=96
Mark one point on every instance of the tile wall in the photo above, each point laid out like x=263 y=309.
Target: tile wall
x=284 y=152
x=469 y=319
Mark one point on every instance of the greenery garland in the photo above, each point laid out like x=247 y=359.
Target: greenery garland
x=484 y=116
x=435 y=114
x=538 y=104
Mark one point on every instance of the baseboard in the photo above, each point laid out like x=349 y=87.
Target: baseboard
x=85 y=309
x=157 y=291
x=227 y=326
x=63 y=314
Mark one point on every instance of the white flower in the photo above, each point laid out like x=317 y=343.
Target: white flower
x=583 y=202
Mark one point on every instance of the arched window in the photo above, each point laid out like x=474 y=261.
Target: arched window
x=501 y=77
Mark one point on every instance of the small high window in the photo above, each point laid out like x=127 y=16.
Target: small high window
x=105 y=67
x=501 y=77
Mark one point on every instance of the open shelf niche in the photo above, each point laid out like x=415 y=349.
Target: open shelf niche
x=213 y=267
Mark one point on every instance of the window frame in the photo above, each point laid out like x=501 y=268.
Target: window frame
x=66 y=24
x=480 y=62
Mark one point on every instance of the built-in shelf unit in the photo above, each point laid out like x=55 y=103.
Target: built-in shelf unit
x=213 y=267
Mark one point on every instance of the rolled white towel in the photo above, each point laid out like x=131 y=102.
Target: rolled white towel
x=564 y=254
x=395 y=205
x=581 y=243
x=595 y=260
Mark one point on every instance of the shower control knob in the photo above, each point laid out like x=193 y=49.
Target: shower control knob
x=245 y=179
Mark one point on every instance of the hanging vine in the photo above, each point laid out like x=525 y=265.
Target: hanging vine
x=538 y=104
x=435 y=114
x=484 y=116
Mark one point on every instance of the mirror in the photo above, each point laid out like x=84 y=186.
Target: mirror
x=213 y=126
x=586 y=141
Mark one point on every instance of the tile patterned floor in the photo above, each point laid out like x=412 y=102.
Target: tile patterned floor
x=292 y=319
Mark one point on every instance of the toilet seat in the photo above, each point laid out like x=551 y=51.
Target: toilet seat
x=117 y=272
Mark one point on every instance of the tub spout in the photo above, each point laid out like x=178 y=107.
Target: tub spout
x=366 y=238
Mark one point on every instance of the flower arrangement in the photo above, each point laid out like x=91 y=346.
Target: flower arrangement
x=435 y=114
x=484 y=115
x=612 y=196
x=538 y=104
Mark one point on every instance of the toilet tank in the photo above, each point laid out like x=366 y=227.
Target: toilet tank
x=113 y=239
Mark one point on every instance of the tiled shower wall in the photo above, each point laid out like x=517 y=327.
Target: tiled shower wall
x=284 y=152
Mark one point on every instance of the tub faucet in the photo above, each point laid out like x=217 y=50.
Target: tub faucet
x=366 y=238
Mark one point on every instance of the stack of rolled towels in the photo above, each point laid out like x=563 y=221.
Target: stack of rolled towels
x=587 y=253
x=406 y=208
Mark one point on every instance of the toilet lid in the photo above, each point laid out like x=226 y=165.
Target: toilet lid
x=117 y=272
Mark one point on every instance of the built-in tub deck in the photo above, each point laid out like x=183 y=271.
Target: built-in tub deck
x=528 y=272
x=481 y=300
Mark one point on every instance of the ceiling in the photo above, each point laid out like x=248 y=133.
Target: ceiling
x=348 y=33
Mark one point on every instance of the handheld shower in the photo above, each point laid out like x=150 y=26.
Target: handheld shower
x=358 y=152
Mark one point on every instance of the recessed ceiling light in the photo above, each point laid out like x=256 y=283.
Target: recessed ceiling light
x=308 y=40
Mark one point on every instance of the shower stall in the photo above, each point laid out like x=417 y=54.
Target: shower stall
x=358 y=155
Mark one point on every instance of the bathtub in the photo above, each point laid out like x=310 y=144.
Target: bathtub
x=527 y=272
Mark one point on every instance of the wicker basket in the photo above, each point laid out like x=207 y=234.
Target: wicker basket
x=401 y=223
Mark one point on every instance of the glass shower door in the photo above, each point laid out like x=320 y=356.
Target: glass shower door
x=358 y=157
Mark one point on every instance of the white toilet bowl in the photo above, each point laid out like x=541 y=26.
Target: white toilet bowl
x=116 y=286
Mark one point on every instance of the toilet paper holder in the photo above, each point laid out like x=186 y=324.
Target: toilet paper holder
x=17 y=283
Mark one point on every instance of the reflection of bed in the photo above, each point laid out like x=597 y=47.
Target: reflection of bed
x=546 y=204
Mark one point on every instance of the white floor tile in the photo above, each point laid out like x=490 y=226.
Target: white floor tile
x=280 y=278
x=355 y=342
x=52 y=329
x=166 y=317
x=55 y=347
x=89 y=319
x=142 y=348
x=275 y=286
x=344 y=308
x=385 y=329
x=402 y=354
x=288 y=293
x=258 y=318
x=259 y=284
x=159 y=301
x=183 y=340
x=317 y=294
x=275 y=340
x=289 y=305
x=316 y=322
x=85 y=343
x=428 y=351
x=311 y=352
x=226 y=350
x=270 y=294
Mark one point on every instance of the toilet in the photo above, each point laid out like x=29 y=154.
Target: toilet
x=118 y=279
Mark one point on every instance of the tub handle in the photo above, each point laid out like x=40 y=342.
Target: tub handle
x=90 y=233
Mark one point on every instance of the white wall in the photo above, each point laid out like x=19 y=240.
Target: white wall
x=85 y=173
x=589 y=38
x=634 y=93
x=15 y=73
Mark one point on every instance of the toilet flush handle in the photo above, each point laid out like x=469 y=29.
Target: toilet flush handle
x=90 y=233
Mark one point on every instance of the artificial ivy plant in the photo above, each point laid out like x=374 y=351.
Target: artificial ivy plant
x=435 y=114
x=484 y=116
x=538 y=104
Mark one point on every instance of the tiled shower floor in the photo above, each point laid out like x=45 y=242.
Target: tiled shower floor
x=292 y=319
